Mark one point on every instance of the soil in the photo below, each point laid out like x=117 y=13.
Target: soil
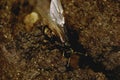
x=93 y=34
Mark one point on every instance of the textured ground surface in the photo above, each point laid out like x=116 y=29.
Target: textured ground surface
x=93 y=30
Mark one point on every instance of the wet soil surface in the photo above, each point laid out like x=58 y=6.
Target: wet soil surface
x=94 y=37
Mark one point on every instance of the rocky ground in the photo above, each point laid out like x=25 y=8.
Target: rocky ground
x=35 y=53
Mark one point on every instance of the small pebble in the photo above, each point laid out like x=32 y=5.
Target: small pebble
x=30 y=19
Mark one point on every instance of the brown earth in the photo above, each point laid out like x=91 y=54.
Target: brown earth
x=93 y=32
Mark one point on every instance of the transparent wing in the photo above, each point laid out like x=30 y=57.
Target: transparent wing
x=56 y=12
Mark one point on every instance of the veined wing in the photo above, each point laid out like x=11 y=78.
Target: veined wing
x=56 y=12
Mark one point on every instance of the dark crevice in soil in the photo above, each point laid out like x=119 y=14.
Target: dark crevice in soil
x=113 y=75
x=73 y=40
x=15 y=8
x=85 y=61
